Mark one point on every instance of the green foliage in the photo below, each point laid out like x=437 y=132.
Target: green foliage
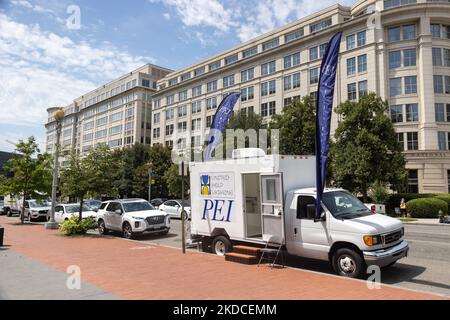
x=173 y=180
x=394 y=200
x=426 y=207
x=379 y=192
x=245 y=120
x=74 y=226
x=444 y=197
x=366 y=149
x=297 y=127
x=31 y=170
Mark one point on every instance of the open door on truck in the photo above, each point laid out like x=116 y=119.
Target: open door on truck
x=272 y=205
x=252 y=205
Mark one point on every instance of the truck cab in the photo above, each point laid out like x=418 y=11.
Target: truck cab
x=348 y=234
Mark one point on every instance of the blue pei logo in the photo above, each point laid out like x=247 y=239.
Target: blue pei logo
x=205 y=185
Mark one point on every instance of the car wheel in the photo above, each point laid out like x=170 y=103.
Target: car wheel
x=221 y=245
x=8 y=213
x=186 y=216
x=101 y=227
x=127 y=231
x=348 y=263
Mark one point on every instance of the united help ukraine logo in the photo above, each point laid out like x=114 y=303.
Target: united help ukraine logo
x=205 y=181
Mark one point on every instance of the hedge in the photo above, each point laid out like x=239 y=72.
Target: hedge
x=394 y=200
x=445 y=197
x=426 y=207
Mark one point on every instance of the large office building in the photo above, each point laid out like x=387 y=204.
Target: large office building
x=118 y=114
x=399 y=49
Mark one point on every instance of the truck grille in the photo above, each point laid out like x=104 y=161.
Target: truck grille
x=155 y=220
x=43 y=211
x=392 y=237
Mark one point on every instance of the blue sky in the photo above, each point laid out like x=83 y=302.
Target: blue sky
x=44 y=63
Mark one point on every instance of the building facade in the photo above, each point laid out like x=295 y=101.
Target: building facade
x=118 y=114
x=399 y=49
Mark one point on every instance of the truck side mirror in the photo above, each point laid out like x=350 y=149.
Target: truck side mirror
x=311 y=212
x=118 y=211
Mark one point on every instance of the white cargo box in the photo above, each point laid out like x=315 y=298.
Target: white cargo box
x=244 y=196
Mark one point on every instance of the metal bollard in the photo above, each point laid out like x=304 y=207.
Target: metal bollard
x=2 y=232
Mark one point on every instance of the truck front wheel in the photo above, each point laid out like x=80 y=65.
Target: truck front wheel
x=221 y=245
x=348 y=263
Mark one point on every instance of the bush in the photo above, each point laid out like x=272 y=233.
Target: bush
x=444 y=197
x=394 y=200
x=73 y=226
x=426 y=208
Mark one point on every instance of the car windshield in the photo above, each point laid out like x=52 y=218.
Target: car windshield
x=344 y=205
x=36 y=203
x=76 y=208
x=137 y=206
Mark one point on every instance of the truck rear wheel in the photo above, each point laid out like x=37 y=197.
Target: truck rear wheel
x=348 y=263
x=221 y=245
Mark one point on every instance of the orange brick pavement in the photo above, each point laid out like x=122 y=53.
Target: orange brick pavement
x=136 y=270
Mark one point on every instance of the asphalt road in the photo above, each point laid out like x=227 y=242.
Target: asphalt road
x=427 y=267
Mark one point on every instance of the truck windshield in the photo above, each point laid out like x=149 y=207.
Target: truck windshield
x=344 y=205
x=137 y=206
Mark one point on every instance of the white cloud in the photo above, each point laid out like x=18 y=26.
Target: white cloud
x=28 y=5
x=40 y=69
x=166 y=16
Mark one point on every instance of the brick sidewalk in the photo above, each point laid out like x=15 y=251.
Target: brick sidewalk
x=134 y=270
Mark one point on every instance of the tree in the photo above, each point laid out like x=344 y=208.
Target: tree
x=91 y=175
x=366 y=149
x=297 y=127
x=32 y=173
x=173 y=181
x=243 y=120
x=160 y=157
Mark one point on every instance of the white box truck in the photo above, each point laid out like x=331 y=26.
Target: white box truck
x=254 y=196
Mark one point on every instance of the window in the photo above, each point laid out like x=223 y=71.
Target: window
x=351 y=91
x=268 y=109
x=313 y=53
x=268 y=88
x=396 y=3
x=196 y=91
x=268 y=68
x=116 y=116
x=313 y=96
x=214 y=66
x=182 y=95
x=287 y=83
x=115 y=143
x=448 y=179
x=247 y=94
x=196 y=106
x=211 y=86
x=395 y=59
x=362 y=88
x=435 y=30
x=199 y=71
x=394 y=34
x=185 y=76
x=315 y=27
x=303 y=203
x=442 y=145
x=170 y=99
x=446 y=84
x=409 y=57
x=228 y=81
x=362 y=63
x=412 y=140
x=296 y=80
x=412 y=113
x=270 y=44
x=395 y=87
x=101 y=121
x=68 y=132
x=88 y=137
x=182 y=110
x=313 y=75
x=87 y=126
x=156 y=117
x=231 y=59
x=396 y=113
x=351 y=66
x=250 y=52
x=247 y=75
x=173 y=82
x=361 y=38
x=439 y=111
x=294 y=35
x=351 y=41
x=413 y=181
x=146 y=83
x=438 y=84
x=409 y=32
x=401 y=140
x=410 y=84
x=169 y=144
x=169 y=129
x=182 y=126
x=211 y=103
x=196 y=124
x=169 y=113
x=437 y=57
x=209 y=120
x=115 y=130
x=292 y=60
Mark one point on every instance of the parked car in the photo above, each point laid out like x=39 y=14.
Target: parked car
x=11 y=205
x=157 y=202
x=93 y=204
x=173 y=208
x=376 y=208
x=66 y=211
x=35 y=209
x=2 y=206
x=131 y=217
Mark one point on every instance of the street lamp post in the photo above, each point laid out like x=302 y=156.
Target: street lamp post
x=59 y=115
x=150 y=177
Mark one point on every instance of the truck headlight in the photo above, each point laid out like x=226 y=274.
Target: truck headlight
x=372 y=240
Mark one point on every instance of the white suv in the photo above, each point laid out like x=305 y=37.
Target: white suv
x=131 y=217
